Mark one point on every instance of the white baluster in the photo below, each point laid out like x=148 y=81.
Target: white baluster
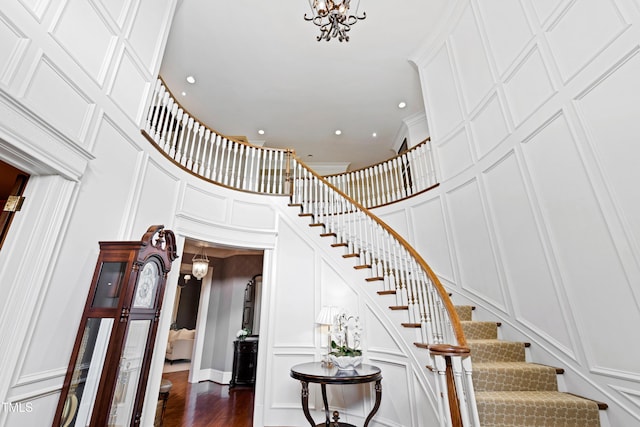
x=252 y=171
x=234 y=164
x=153 y=107
x=224 y=162
x=183 y=135
x=176 y=134
x=192 y=144
x=197 y=161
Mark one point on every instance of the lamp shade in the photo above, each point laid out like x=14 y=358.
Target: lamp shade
x=327 y=315
x=200 y=265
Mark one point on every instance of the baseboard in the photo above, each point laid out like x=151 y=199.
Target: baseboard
x=220 y=377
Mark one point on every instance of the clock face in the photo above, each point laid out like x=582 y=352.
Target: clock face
x=147 y=283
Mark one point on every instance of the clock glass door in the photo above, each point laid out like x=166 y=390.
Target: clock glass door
x=129 y=370
x=80 y=399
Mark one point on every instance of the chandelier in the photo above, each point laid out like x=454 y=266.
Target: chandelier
x=200 y=264
x=334 y=18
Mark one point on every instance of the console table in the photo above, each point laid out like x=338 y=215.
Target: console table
x=317 y=372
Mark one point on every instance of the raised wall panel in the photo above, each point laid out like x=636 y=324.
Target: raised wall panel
x=97 y=215
x=293 y=294
x=489 y=126
x=335 y=290
x=454 y=154
x=288 y=397
x=582 y=32
x=157 y=188
x=398 y=221
x=528 y=87
x=432 y=244
x=379 y=340
x=148 y=23
x=529 y=279
x=507 y=36
x=12 y=47
x=610 y=111
x=394 y=409
x=129 y=87
x=476 y=261
x=116 y=8
x=204 y=205
x=93 y=51
x=30 y=411
x=471 y=60
x=253 y=215
x=582 y=246
x=440 y=94
x=58 y=100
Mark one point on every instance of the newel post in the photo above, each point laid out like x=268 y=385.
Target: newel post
x=288 y=185
x=443 y=355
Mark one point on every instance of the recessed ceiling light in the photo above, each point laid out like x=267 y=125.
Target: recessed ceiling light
x=191 y=79
x=338 y=132
x=374 y=134
x=261 y=131
x=184 y=93
x=402 y=104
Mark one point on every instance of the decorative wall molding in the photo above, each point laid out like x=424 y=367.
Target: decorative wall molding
x=13 y=58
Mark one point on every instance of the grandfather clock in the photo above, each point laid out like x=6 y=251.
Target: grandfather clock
x=109 y=366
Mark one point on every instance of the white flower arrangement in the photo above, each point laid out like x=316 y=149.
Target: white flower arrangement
x=345 y=335
x=242 y=333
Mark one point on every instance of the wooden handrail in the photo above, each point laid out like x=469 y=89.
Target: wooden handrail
x=444 y=296
x=415 y=147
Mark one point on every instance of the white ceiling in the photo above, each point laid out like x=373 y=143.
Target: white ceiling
x=258 y=65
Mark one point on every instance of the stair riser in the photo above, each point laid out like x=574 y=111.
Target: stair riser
x=480 y=330
x=500 y=351
x=525 y=379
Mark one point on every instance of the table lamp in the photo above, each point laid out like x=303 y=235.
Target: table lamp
x=326 y=317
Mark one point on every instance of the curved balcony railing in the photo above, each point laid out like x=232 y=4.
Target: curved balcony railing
x=393 y=263
x=405 y=175
x=211 y=155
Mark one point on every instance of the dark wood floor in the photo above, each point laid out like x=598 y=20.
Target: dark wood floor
x=206 y=404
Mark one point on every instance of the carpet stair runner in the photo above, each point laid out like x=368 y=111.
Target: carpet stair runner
x=510 y=392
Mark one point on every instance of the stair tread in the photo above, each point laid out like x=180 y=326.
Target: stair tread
x=546 y=397
x=481 y=365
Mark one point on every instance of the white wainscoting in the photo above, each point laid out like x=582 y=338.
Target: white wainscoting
x=543 y=224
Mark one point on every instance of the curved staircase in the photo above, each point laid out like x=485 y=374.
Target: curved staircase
x=501 y=389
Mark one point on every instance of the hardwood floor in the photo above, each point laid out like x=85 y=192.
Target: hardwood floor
x=206 y=404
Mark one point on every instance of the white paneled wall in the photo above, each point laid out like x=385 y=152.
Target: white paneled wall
x=69 y=113
x=533 y=110
x=74 y=77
